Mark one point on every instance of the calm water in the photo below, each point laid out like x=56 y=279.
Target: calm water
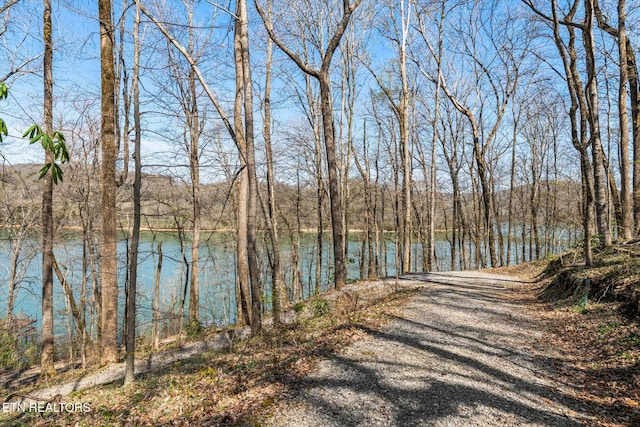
x=217 y=273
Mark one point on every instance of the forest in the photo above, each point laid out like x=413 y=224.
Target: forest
x=299 y=145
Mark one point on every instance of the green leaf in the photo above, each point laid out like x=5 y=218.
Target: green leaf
x=55 y=143
x=30 y=132
x=3 y=94
x=47 y=143
x=44 y=170
x=64 y=154
x=65 y=157
x=34 y=133
x=3 y=129
x=57 y=173
x=58 y=136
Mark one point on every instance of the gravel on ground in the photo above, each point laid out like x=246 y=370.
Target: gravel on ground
x=463 y=353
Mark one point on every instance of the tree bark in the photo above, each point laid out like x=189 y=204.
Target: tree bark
x=625 y=173
x=252 y=202
x=436 y=117
x=193 y=118
x=129 y=376
x=600 y=182
x=403 y=110
x=156 y=299
x=634 y=90
x=340 y=270
x=242 y=260
x=272 y=221
x=108 y=263
x=630 y=72
x=47 y=368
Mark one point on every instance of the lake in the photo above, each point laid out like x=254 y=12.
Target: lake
x=217 y=273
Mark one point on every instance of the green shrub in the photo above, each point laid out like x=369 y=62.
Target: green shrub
x=319 y=306
x=8 y=350
x=194 y=330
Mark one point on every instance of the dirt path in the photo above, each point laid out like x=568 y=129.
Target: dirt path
x=462 y=353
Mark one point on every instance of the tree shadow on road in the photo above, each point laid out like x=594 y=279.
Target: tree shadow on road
x=437 y=395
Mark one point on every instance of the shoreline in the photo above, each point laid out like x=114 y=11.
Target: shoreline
x=203 y=230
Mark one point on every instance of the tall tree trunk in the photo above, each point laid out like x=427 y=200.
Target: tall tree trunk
x=129 y=376
x=108 y=263
x=588 y=203
x=630 y=75
x=193 y=119
x=534 y=203
x=600 y=183
x=239 y=138
x=512 y=181
x=634 y=90
x=194 y=165
x=156 y=300
x=436 y=118
x=252 y=201
x=122 y=134
x=242 y=260
x=324 y=79
x=46 y=357
x=404 y=141
x=486 y=199
x=348 y=98
x=625 y=173
x=340 y=269
x=366 y=199
x=579 y=138
x=272 y=223
x=319 y=204
x=320 y=190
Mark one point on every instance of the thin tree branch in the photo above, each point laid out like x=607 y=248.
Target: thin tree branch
x=7 y=5
x=548 y=18
x=196 y=70
x=268 y=25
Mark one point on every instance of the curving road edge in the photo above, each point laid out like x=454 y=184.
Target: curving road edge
x=462 y=354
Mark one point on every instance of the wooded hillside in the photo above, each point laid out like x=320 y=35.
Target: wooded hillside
x=449 y=134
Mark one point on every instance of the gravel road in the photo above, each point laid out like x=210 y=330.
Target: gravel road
x=462 y=354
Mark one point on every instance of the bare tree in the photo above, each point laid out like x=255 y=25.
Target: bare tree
x=21 y=219
x=629 y=200
x=108 y=260
x=400 y=107
x=271 y=216
x=129 y=377
x=600 y=182
x=438 y=56
x=47 y=367
x=186 y=92
x=323 y=76
x=242 y=135
x=244 y=93
x=577 y=110
x=625 y=190
x=502 y=84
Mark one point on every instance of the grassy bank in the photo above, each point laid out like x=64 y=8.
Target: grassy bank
x=226 y=387
x=592 y=319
